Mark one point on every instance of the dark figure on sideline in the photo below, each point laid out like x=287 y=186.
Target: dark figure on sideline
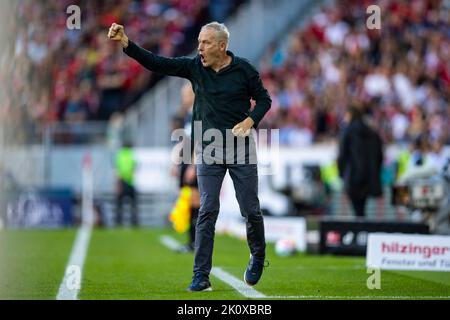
x=360 y=160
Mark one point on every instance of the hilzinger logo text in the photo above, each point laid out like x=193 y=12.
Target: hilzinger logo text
x=427 y=251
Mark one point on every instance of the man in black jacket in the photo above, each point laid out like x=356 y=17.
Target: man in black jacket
x=223 y=85
x=360 y=160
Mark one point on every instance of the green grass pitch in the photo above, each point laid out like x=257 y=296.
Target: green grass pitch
x=133 y=264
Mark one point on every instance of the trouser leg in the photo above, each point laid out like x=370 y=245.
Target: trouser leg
x=245 y=180
x=210 y=178
x=359 y=204
x=119 y=206
x=133 y=205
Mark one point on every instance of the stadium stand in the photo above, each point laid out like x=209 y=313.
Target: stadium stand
x=74 y=76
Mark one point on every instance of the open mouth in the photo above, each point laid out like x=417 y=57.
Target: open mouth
x=202 y=58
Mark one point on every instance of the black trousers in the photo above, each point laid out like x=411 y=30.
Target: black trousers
x=358 y=203
x=127 y=191
x=245 y=180
x=193 y=223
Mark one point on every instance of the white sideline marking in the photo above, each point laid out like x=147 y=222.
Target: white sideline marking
x=244 y=289
x=222 y=275
x=170 y=242
x=249 y=292
x=68 y=291
x=357 y=297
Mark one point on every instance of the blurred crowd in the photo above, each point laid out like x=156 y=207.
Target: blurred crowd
x=53 y=74
x=399 y=74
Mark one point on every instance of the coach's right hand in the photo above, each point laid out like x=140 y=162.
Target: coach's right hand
x=117 y=33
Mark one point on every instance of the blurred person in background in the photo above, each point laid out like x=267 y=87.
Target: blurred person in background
x=438 y=155
x=427 y=161
x=360 y=160
x=125 y=168
x=115 y=132
x=420 y=162
x=443 y=214
x=9 y=188
x=187 y=172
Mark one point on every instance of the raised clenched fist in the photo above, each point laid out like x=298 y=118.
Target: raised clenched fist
x=117 y=33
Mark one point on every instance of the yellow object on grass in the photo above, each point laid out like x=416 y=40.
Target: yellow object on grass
x=181 y=213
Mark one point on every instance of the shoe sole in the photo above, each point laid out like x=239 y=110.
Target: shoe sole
x=204 y=290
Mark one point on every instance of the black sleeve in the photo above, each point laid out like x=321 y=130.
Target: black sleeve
x=260 y=95
x=179 y=67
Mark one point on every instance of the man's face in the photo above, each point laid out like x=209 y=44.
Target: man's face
x=209 y=48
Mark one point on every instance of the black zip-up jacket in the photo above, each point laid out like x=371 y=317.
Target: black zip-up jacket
x=360 y=159
x=222 y=99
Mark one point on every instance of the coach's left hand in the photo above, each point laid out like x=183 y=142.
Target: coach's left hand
x=244 y=128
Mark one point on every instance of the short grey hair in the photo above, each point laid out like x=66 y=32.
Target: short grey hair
x=222 y=33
